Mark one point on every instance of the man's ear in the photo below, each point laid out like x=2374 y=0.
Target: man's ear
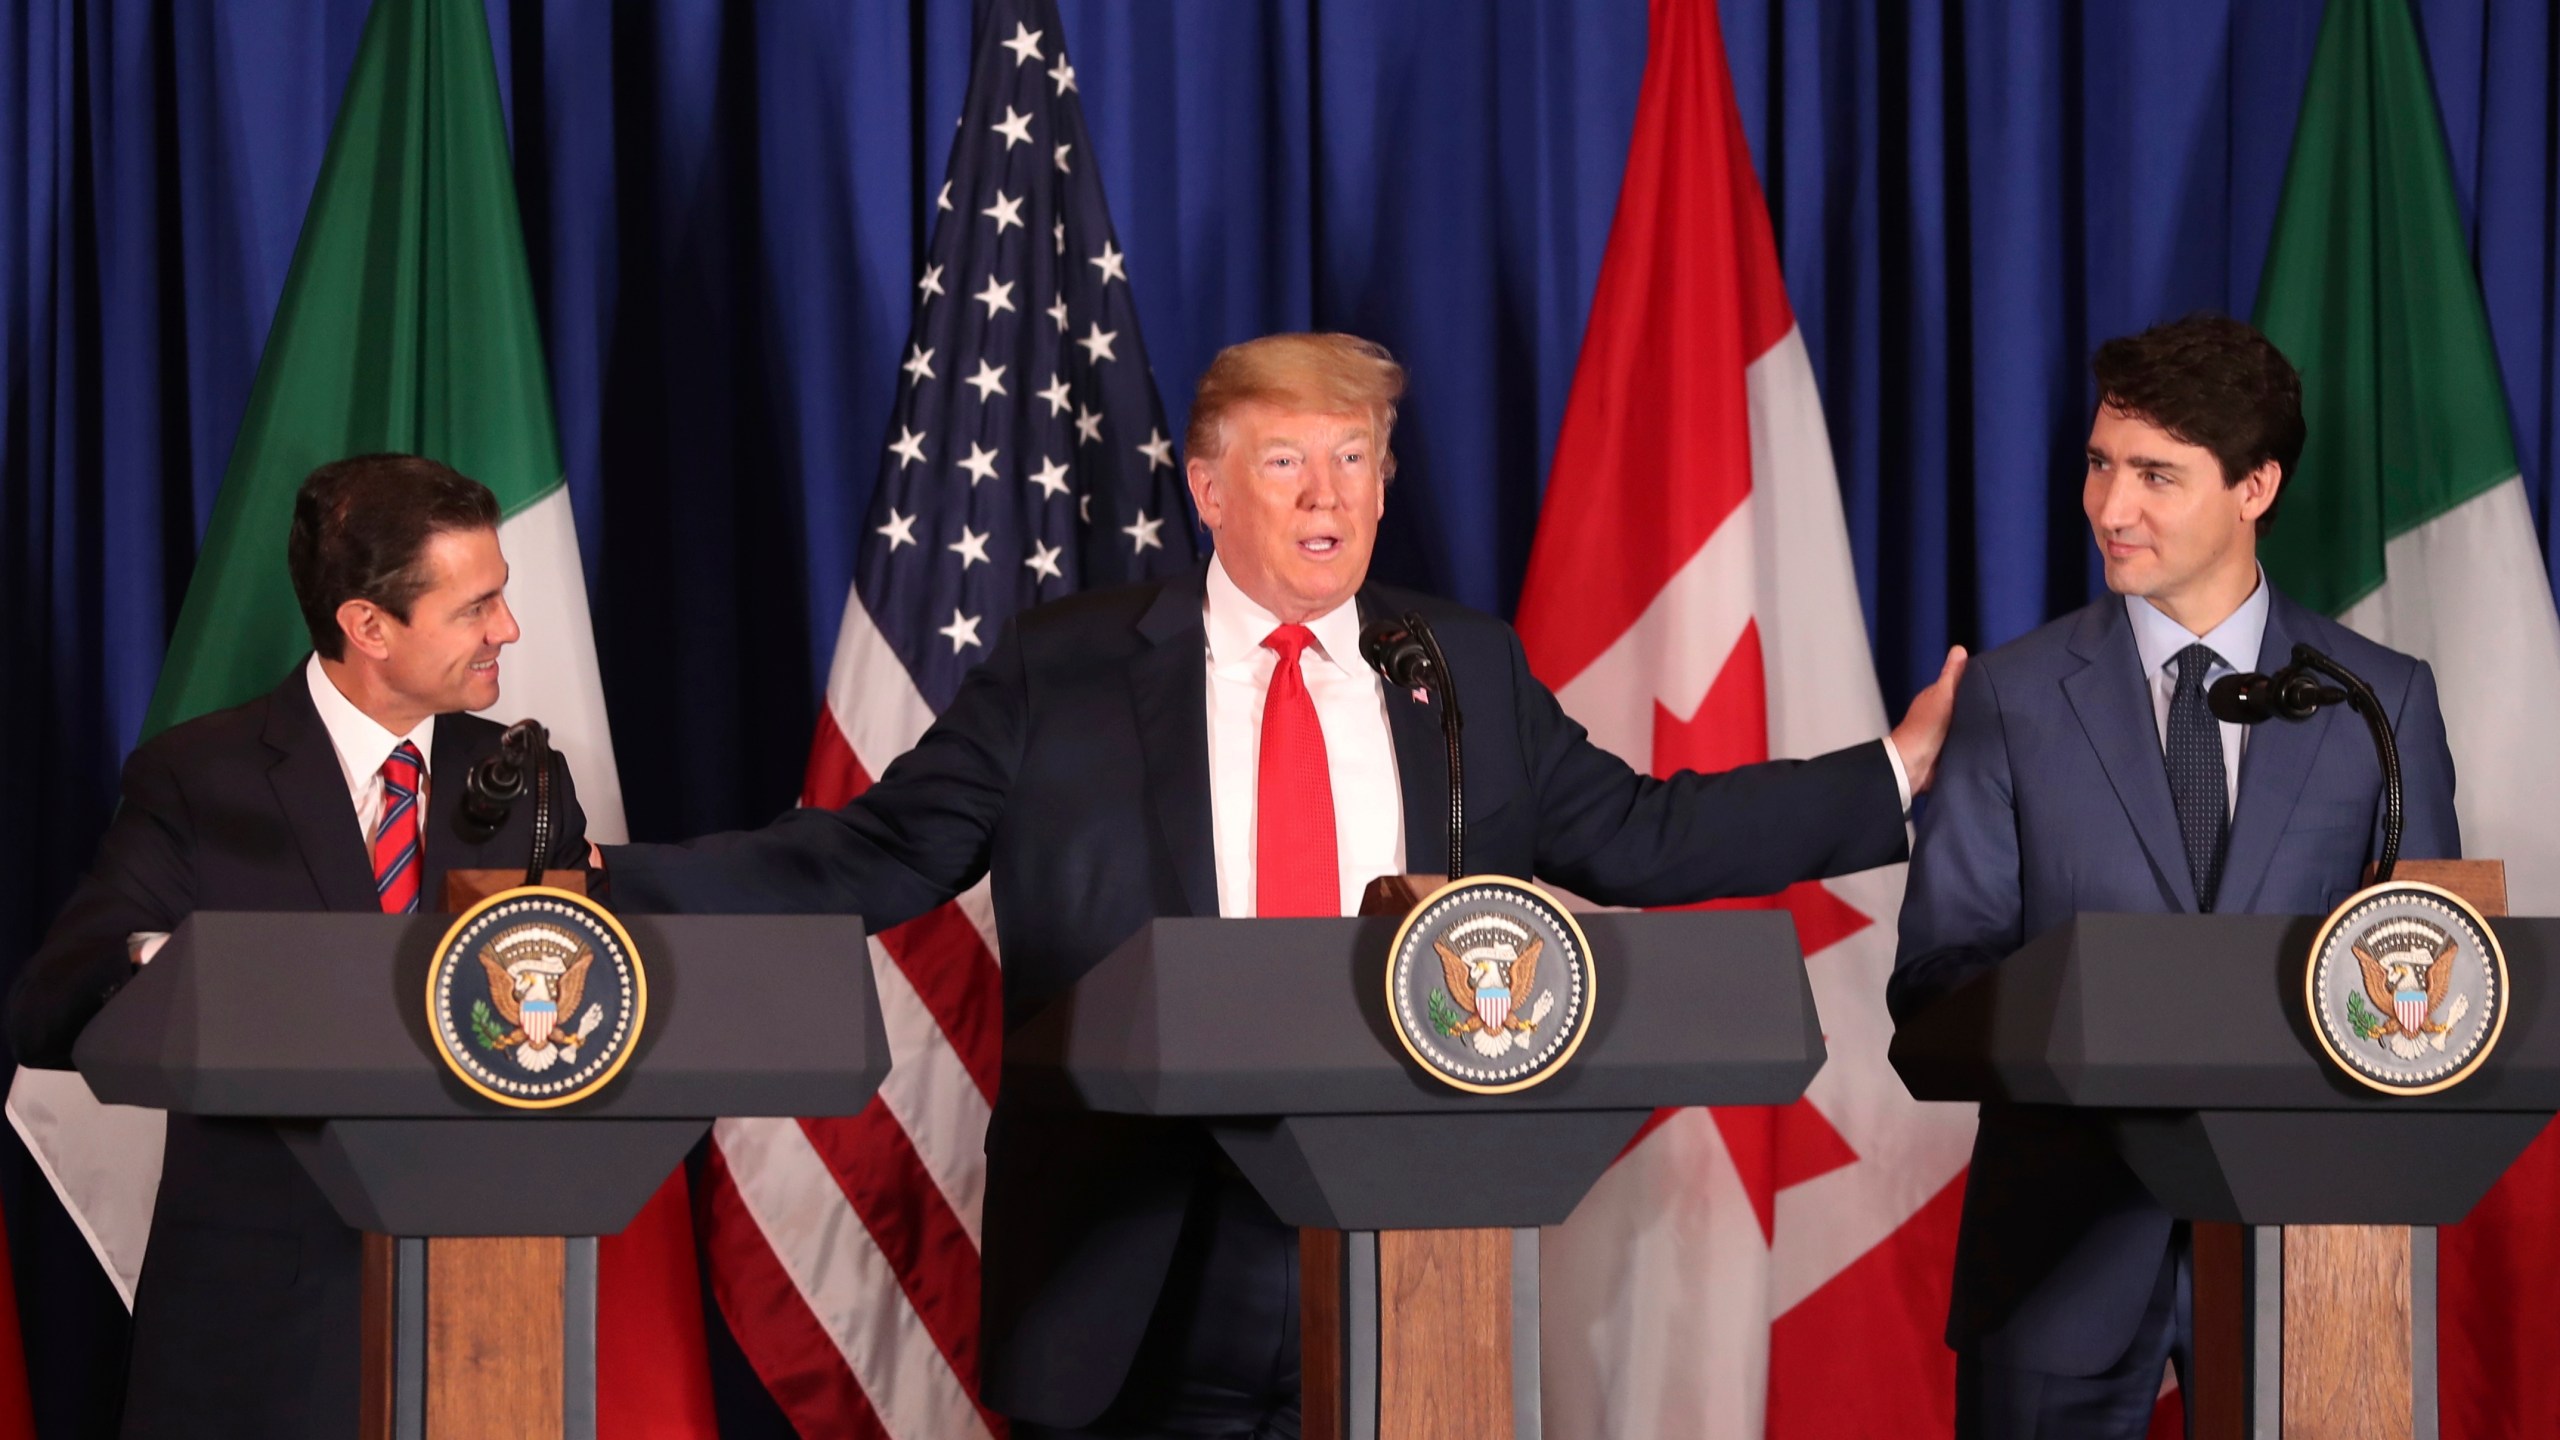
x=366 y=628
x=2258 y=490
x=1203 y=478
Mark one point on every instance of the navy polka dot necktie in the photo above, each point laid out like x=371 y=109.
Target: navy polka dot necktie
x=2198 y=785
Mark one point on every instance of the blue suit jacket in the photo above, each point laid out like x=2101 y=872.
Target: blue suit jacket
x=1074 y=766
x=2052 y=798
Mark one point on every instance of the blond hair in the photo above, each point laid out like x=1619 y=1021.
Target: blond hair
x=1321 y=373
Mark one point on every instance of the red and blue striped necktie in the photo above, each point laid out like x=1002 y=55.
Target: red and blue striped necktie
x=397 y=839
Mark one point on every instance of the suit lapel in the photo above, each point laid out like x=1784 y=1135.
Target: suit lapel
x=312 y=792
x=2114 y=708
x=1422 y=767
x=2273 y=770
x=1168 y=685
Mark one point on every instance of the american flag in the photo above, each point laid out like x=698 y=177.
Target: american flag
x=1027 y=457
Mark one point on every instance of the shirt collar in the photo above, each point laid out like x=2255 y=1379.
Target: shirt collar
x=361 y=741
x=2158 y=639
x=1238 y=625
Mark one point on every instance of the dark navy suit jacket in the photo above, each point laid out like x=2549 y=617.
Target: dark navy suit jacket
x=1074 y=765
x=244 y=1321
x=2052 y=798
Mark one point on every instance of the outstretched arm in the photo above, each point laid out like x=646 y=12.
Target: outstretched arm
x=1963 y=909
x=917 y=837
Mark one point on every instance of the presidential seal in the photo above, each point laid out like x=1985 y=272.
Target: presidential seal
x=536 y=997
x=2407 y=988
x=1489 y=985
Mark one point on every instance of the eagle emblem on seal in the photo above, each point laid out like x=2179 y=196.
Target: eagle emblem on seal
x=537 y=977
x=1485 y=961
x=2408 y=971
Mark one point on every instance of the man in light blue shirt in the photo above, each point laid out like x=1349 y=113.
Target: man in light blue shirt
x=2086 y=772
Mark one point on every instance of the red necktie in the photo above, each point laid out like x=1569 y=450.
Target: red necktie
x=395 y=839
x=1295 y=871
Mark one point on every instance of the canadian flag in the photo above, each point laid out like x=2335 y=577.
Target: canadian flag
x=1738 y=1272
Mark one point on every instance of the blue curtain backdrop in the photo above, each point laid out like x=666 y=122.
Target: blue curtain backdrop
x=724 y=202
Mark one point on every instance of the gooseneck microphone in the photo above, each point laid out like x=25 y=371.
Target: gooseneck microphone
x=1407 y=656
x=491 y=788
x=2296 y=692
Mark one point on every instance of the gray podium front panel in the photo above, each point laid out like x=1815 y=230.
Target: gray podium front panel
x=1205 y=1017
x=2192 y=1012
x=324 y=1016
x=2187 y=1036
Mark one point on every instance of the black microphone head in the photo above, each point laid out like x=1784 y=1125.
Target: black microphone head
x=2242 y=699
x=1396 y=654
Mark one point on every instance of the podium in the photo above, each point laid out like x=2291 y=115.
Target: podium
x=317 y=1023
x=1419 y=1260
x=2186 y=1036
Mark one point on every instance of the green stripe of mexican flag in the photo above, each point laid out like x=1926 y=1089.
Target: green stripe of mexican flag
x=2407 y=518
x=407 y=323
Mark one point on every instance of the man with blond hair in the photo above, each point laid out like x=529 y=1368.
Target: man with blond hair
x=1213 y=745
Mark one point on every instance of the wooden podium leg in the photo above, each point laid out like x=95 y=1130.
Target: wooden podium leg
x=494 y=1330
x=2347 y=1345
x=1444 y=1334
x=2218 y=1393
x=379 y=1328
x=1322 y=1385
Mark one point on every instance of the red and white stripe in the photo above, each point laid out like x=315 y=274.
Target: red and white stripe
x=844 y=1252
x=1739 y=1272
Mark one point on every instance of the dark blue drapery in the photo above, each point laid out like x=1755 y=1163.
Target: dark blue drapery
x=724 y=201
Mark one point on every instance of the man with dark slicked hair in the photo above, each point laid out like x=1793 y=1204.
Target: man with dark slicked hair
x=338 y=791
x=2084 y=772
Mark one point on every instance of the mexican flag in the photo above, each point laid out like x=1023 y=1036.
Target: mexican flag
x=2408 y=521
x=407 y=324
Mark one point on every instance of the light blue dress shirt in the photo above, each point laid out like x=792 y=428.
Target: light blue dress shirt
x=2158 y=639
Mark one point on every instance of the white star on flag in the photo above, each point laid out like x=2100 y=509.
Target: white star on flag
x=981 y=464
x=989 y=380
x=908 y=447
x=1051 y=477
x=1006 y=211
x=1108 y=262
x=1043 y=561
x=971 y=547
x=1062 y=159
x=1064 y=74
x=1097 y=343
x=962 y=631
x=1158 y=450
x=1142 y=535
x=943 y=200
x=1058 y=237
x=1088 y=425
x=1056 y=394
x=901 y=530
x=1015 y=127
x=1025 y=43
x=1058 y=312
x=930 y=284
x=919 y=363
x=997 y=296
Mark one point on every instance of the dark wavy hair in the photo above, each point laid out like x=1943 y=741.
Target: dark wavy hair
x=360 y=532
x=2213 y=381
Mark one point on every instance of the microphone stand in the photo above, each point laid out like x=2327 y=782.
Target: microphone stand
x=2360 y=696
x=1450 y=725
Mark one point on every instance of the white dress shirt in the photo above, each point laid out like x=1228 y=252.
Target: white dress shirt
x=1351 y=710
x=2158 y=639
x=362 y=745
